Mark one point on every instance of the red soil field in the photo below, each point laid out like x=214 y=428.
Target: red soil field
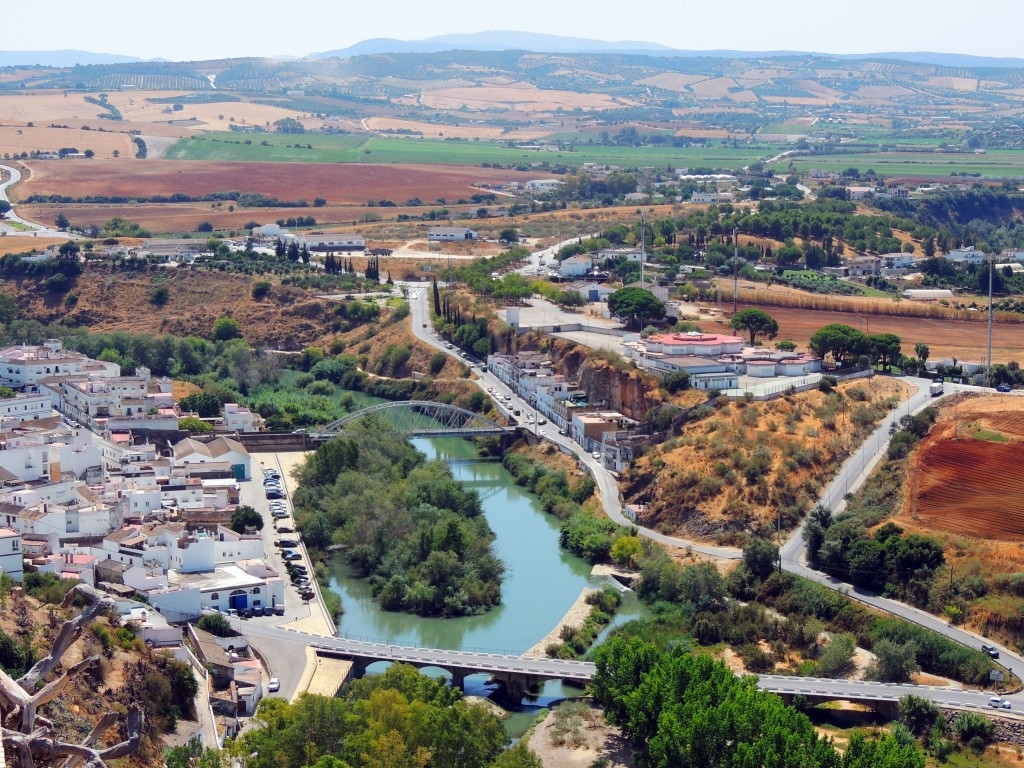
x=339 y=183
x=968 y=486
x=963 y=339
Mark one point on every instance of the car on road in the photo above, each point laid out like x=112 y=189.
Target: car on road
x=274 y=685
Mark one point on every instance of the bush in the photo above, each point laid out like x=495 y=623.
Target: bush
x=159 y=295
x=260 y=289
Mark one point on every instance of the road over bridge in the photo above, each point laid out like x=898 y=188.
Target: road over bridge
x=518 y=673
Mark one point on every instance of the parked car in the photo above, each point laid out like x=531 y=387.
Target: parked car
x=274 y=685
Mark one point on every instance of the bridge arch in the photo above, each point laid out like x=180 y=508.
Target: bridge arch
x=420 y=418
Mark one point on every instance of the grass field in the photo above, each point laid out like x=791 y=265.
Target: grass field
x=999 y=164
x=361 y=149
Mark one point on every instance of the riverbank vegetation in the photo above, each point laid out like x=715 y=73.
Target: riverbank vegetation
x=575 y=641
x=683 y=710
x=584 y=532
x=398 y=718
x=784 y=624
x=403 y=523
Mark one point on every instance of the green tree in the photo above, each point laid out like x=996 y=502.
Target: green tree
x=636 y=305
x=885 y=348
x=195 y=426
x=246 y=517
x=205 y=404
x=756 y=322
x=761 y=557
x=894 y=662
x=225 y=328
x=840 y=342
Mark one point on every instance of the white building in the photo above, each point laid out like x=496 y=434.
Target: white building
x=26 y=407
x=543 y=185
x=238 y=418
x=575 y=266
x=334 y=241
x=11 y=554
x=223 y=449
x=450 y=234
x=26 y=366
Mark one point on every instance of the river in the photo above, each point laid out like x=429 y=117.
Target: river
x=541 y=583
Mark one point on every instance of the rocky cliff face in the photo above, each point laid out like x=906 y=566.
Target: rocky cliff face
x=619 y=388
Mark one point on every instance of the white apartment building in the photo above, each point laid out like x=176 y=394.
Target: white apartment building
x=25 y=366
x=11 y=554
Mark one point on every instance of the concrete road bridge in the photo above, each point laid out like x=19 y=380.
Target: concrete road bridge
x=420 y=418
x=519 y=674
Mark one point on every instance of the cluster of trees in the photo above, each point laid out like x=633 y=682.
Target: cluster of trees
x=407 y=525
x=683 y=710
x=469 y=333
x=845 y=345
x=399 y=718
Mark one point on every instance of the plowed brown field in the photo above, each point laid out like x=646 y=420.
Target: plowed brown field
x=946 y=338
x=339 y=183
x=969 y=486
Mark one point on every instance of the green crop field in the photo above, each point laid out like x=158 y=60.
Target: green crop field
x=363 y=149
x=998 y=164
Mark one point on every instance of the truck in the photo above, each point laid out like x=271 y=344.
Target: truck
x=935 y=388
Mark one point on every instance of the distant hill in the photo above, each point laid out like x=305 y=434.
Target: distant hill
x=528 y=41
x=69 y=58
x=494 y=40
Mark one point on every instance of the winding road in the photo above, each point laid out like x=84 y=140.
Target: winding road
x=851 y=475
x=13 y=177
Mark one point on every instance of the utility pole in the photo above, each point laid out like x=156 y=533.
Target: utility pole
x=991 y=267
x=735 y=269
x=643 y=217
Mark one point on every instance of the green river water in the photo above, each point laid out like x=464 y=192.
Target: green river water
x=541 y=583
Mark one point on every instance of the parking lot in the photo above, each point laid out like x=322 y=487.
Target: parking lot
x=309 y=615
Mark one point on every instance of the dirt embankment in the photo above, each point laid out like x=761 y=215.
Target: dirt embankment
x=110 y=299
x=742 y=468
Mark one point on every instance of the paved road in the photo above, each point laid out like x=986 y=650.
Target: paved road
x=13 y=177
x=849 y=478
x=583 y=671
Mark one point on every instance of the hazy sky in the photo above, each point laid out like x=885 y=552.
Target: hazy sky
x=205 y=29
